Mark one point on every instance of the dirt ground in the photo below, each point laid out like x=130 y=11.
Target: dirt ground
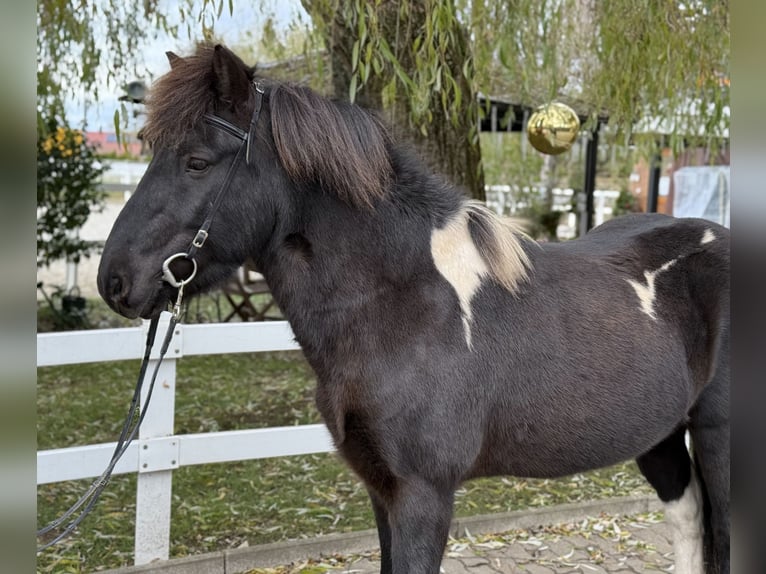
x=96 y=228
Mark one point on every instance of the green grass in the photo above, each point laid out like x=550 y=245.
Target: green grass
x=225 y=505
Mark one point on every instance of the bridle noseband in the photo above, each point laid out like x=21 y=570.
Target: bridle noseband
x=246 y=137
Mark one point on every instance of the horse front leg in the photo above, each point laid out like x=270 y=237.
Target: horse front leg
x=419 y=518
x=384 y=531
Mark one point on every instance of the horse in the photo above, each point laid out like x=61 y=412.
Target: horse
x=447 y=344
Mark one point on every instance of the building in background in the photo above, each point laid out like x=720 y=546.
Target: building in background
x=693 y=167
x=108 y=144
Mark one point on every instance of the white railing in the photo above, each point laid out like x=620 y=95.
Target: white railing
x=157 y=451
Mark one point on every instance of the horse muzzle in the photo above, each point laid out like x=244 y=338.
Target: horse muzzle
x=130 y=296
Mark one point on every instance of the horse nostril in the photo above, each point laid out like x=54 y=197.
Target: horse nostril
x=118 y=287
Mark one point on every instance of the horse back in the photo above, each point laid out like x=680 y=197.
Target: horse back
x=686 y=264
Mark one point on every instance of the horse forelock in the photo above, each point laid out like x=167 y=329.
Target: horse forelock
x=179 y=99
x=337 y=145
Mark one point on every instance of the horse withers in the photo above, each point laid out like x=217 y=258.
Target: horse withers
x=446 y=344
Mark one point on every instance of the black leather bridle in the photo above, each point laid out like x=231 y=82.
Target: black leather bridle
x=202 y=234
x=129 y=430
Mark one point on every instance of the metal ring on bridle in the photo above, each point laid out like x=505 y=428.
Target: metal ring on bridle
x=168 y=276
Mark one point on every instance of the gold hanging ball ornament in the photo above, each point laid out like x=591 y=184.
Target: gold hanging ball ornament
x=553 y=128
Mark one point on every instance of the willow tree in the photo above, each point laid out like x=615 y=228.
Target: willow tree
x=425 y=61
x=413 y=60
x=81 y=46
x=652 y=65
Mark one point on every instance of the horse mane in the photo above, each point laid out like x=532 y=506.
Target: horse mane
x=499 y=240
x=339 y=145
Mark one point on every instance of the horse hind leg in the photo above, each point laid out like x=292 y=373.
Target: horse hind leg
x=669 y=470
x=709 y=430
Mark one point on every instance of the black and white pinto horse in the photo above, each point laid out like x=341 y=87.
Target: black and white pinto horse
x=446 y=344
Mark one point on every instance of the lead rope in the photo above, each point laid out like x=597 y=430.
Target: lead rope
x=88 y=500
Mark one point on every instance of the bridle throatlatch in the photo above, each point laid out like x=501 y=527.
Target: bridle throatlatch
x=130 y=429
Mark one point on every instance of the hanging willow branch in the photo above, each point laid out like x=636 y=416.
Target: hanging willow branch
x=642 y=63
x=658 y=66
x=670 y=64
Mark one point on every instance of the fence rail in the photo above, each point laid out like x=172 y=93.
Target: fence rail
x=157 y=451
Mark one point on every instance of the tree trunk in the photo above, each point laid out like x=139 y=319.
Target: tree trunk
x=450 y=149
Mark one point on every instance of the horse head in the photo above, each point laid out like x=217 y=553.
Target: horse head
x=229 y=150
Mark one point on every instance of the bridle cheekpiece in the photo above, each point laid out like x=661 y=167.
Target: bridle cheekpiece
x=202 y=234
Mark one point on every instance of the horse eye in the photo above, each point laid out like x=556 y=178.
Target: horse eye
x=196 y=164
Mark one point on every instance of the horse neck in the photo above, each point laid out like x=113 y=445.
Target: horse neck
x=331 y=267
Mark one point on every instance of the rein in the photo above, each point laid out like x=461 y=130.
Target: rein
x=88 y=500
x=129 y=431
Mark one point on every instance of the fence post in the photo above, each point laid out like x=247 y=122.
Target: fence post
x=158 y=455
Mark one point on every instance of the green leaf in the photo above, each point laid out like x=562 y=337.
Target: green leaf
x=388 y=94
x=467 y=69
x=355 y=56
x=117 y=123
x=457 y=93
x=352 y=89
x=386 y=51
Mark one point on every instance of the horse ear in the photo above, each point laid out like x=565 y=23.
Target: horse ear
x=231 y=82
x=173 y=59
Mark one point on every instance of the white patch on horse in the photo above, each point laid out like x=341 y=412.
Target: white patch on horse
x=459 y=261
x=647 y=293
x=707 y=237
x=684 y=516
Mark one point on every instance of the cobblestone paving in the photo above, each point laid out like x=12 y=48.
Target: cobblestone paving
x=629 y=545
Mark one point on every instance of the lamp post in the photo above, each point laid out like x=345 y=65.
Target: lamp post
x=135 y=93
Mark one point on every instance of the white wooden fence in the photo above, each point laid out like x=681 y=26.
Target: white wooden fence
x=157 y=451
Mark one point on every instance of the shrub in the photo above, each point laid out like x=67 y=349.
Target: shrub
x=68 y=172
x=626 y=203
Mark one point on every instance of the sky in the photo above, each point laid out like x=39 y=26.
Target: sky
x=230 y=28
